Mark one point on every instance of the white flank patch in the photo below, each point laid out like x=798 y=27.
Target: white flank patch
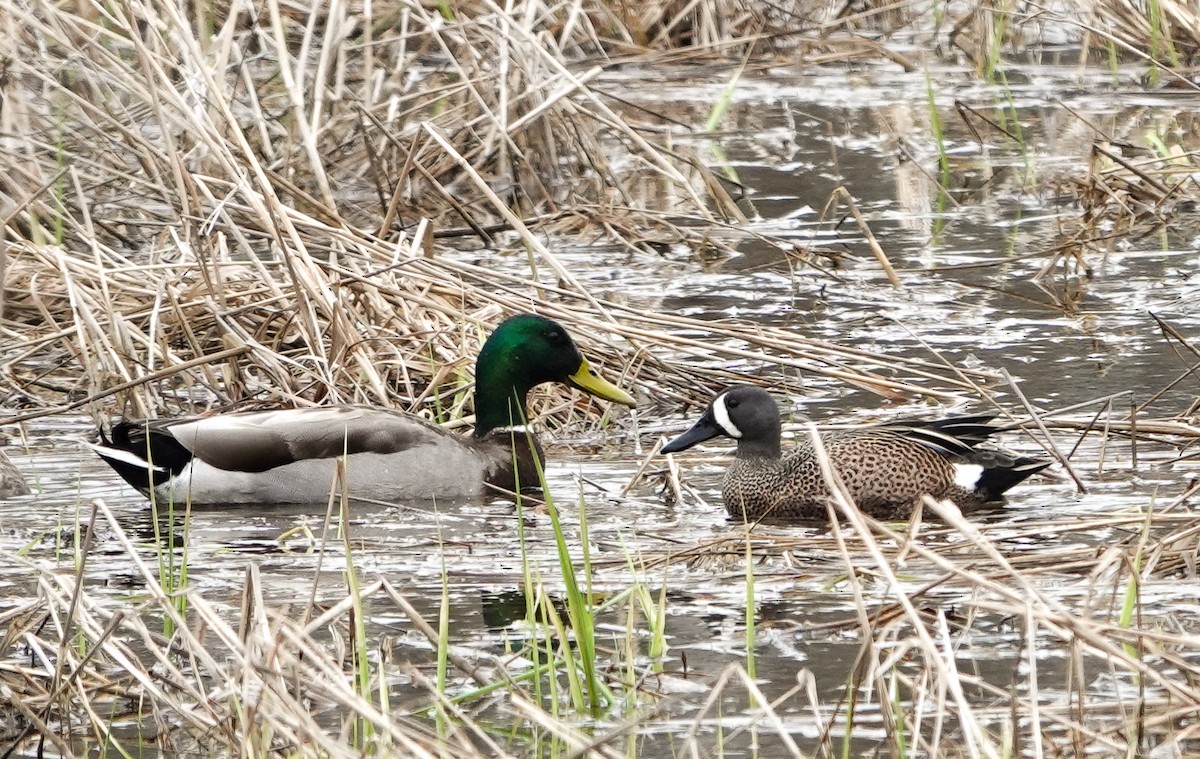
x=116 y=454
x=182 y=482
x=721 y=414
x=967 y=475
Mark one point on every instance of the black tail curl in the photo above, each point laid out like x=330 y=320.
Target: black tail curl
x=150 y=441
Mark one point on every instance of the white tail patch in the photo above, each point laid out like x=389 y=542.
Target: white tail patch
x=967 y=475
x=721 y=415
x=116 y=454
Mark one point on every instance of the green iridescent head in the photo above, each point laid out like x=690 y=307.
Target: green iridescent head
x=526 y=350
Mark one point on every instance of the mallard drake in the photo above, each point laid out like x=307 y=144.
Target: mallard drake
x=886 y=468
x=290 y=456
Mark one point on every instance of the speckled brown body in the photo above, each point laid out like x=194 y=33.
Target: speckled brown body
x=886 y=469
x=11 y=482
x=885 y=474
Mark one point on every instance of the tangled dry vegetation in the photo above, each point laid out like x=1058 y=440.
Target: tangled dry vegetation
x=206 y=208
x=269 y=203
x=248 y=677
x=203 y=215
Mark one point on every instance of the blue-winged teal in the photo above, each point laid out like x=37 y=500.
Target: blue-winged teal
x=886 y=468
x=290 y=456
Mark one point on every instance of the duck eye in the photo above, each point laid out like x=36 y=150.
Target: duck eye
x=731 y=402
x=554 y=336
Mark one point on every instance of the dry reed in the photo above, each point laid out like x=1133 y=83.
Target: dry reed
x=257 y=213
x=251 y=212
x=274 y=675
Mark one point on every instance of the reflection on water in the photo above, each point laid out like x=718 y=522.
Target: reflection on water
x=968 y=259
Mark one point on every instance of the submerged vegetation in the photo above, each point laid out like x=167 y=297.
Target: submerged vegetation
x=223 y=206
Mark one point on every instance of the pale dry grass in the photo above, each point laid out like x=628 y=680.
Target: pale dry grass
x=256 y=213
x=1098 y=667
x=204 y=217
x=255 y=675
x=1164 y=33
x=252 y=212
x=259 y=681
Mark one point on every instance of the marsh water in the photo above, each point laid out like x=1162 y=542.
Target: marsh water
x=968 y=264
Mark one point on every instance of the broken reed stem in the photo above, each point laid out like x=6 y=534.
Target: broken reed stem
x=1047 y=439
x=513 y=220
x=841 y=194
x=277 y=666
x=159 y=375
x=941 y=663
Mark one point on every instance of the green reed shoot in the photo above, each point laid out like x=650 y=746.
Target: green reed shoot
x=1129 y=605
x=717 y=115
x=530 y=592
x=586 y=547
x=533 y=591
x=172 y=569
x=566 y=655
x=383 y=701
x=553 y=662
x=1162 y=46
x=721 y=106
x=852 y=686
x=935 y=126
x=656 y=618
x=1011 y=119
x=579 y=609
x=578 y=612
x=630 y=650
x=364 y=731
x=1155 y=140
x=991 y=62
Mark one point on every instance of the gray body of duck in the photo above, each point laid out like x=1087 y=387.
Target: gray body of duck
x=293 y=455
x=887 y=469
